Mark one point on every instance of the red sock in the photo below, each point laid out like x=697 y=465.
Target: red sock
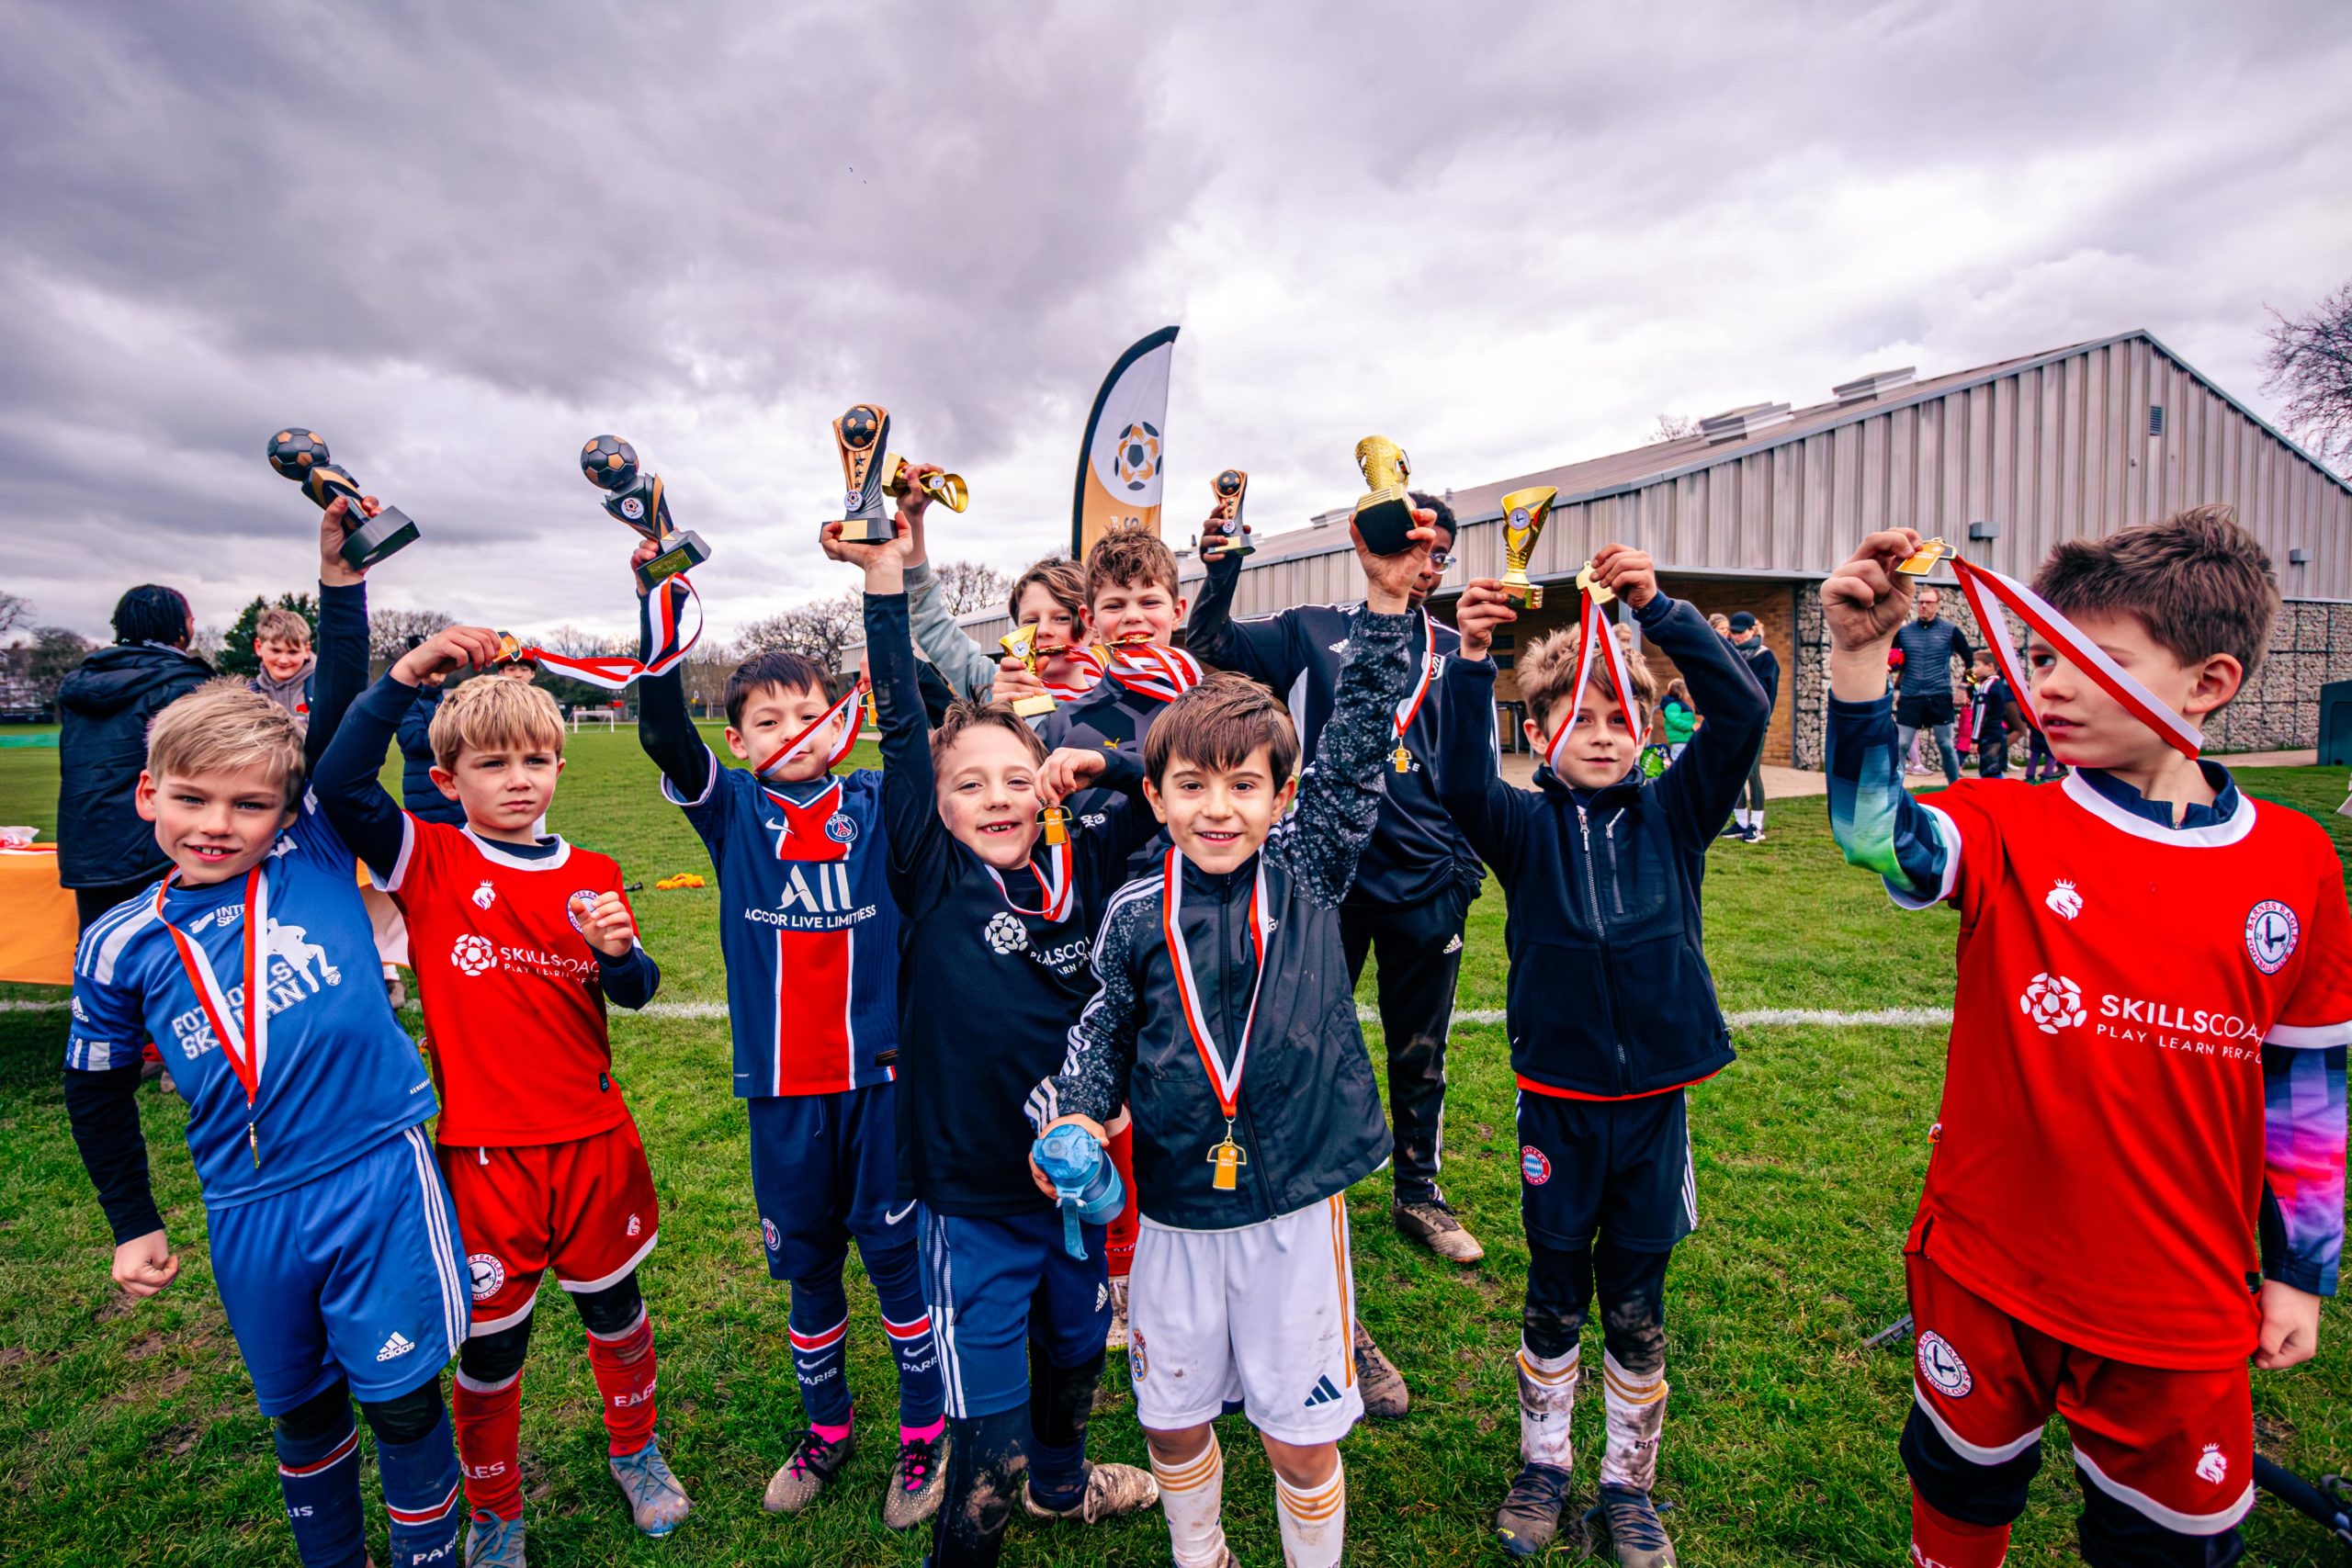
x=489 y=1418
x=1939 y=1540
x=624 y=1369
x=1120 y=1245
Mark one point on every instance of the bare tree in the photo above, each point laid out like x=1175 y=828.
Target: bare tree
x=1673 y=427
x=2309 y=361
x=389 y=631
x=966 y=586
x=820 y=629
x=16 y=610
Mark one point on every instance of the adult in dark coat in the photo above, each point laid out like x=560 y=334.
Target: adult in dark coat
x=105 y=852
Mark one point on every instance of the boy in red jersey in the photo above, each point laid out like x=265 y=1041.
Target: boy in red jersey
x=520 y=940
x=2138 y=1175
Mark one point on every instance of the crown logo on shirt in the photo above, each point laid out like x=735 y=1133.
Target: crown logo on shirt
x=485 y=896
x=2063 y=899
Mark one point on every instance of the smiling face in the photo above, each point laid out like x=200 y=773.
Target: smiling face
x=988 y=794
x=1604 y=744
x=1219 y=816
x=215 y=825
x=774 y=715
x=503 y=790
x=1433 y=571
x=1136 y=612
x=2086 y=727
x=282 y=661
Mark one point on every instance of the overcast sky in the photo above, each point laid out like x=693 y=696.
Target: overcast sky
x=460 y=240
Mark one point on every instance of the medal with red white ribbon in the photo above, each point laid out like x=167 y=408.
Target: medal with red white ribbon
x=669 y=625
x=1088 y=668
x=1983 y=586
x=1408 y=706
x=1055 y=881
x=1599 y=645
x=1151 y=670
x=1226 y=1156
x=808 y=737
x=247 y=1050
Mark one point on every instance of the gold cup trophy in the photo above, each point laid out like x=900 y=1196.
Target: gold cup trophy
x=1384 y=512
x=1524 y=513
x=860 y=434
x=1022 y=644
x=948 y=489
x=1226 y=535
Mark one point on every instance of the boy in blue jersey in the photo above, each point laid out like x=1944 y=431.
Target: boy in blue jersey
x=334 y=1242
x=811 y=943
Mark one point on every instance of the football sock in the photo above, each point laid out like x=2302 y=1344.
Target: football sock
x=897 y=1275
x=318 y=1472
x=1191 y=1494
x=923 y=1434
x=420 y=1491
x=984 y=1475
x=1739 y=815
x=1119 y=1245
x=1314 y=1519
x=1636 y=1407
x=489 y=1422
x=624 y=1365
x=1755 y=819
x=1942 y=1542
x=1547 y=1395
x=819 y=1325
x=1060 y=1400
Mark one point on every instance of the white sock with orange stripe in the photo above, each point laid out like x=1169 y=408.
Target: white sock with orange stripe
x=1547 y=1397
x=1636 y=1407
x=1191 y=1495
x=1314 y=1520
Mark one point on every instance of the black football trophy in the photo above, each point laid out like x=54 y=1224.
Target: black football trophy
x=862 y=433
x=1226 y=535
x=301 y=455
x=635 y=497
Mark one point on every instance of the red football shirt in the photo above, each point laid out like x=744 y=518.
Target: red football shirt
x=2100 y=1156
x=513 y=1005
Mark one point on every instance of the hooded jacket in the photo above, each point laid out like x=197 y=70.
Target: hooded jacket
x=420 y=797
x=104 y=708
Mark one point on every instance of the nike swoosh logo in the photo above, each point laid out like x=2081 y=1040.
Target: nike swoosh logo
x=894 y=1219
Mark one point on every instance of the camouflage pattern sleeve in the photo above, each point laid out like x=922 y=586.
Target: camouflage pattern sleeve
x=1340 y=793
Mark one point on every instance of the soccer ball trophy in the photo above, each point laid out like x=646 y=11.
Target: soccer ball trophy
x=301 y=455
x=862 y=433
x=635 y=497
x=1226 y=535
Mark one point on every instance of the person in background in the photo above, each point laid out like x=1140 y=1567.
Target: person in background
x=1747 y=641
x=1929 y=645
x=105 y=851
x=419 y=795
x=1722 y=623
x=1994 y=716
x=282 y=643
x=1677 y=718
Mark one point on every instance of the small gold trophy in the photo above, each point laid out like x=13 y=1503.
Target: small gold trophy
x=1384 y=512
x=1022 y=644
x=1924 y=559
x=1524 y=513
x=1226 y=534
x=1056 y=821
x=860 y=434
x=948 y=489
x=1588 y=583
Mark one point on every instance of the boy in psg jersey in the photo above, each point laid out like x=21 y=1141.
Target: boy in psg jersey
x=997 y=924
x=520 y=941
x=1612 y=1013
x=810 y=938
x=1224 y=1019
x=333 y=1240
x=2138 y=1174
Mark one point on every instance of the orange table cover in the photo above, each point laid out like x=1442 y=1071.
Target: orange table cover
x=37 y=924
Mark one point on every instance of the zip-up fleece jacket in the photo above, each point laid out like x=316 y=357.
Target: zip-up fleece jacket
x=1309 y=1118
x=1610 y=994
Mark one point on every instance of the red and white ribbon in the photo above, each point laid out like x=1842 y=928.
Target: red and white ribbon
x=1151 y=670
x=247 y=1049
x=808 y=737
x=1226 y=1081
x=1409 y=705
x=1054 y=882
x=669 y=625
x=1082 y=661
x=1983 y=586
x=1599 y=646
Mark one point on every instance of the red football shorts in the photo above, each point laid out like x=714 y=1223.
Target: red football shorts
x=585 y=1209
x=2175 y=1447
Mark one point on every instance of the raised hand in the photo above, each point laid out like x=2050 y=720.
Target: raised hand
x=1866 y=601
x=334 y=570
x=609 y=926
x=446 y=649
x=1627 y=572
x=889 y=556
x=1014 y=680
x=1483 y=607
x=1389 y=579
x=646 y=550
x=1068 y=771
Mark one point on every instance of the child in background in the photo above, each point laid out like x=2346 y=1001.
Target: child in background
x=332 y=1241
x=2137 y=1179
x=1224 y=1016
x=420 y=797
x=810 y=937
x=1612 y=1013
x=1678 y=718
x=282 y=643
x=535 y=1141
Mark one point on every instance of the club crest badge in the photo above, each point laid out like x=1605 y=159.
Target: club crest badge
x=1138 y=1358
x=485 y=896
x=842 y=828
x=578 y=907
x=2213 y=1464
x=769 y=1235
x=488 y=1274
x=2271 y=932
x=2065 y=899
x=1943 y=1369
x=474 y=955
x=1533 y=1166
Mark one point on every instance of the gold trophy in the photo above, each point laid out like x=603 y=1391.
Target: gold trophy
x=860 y=434
x=1924 y=558
x=1022 y=644
x=948 y=489
x=1384 y=512
x=1524 y=513
x=1226 y=535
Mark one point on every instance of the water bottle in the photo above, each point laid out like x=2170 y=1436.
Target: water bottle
x=1086 y=1184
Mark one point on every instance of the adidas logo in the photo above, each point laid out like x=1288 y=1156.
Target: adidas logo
x=399 y=1345
x=1453 y=943
x=1325 y=1392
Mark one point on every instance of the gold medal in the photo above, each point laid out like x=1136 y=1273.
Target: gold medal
x=1585 y=582
x=1228 y=1159
x=1401 y=760
x=1923 y=560
x=1057 y=821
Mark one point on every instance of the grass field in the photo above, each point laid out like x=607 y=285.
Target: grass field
x=127 y=1433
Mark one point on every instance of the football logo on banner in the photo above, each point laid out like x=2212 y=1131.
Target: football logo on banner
x=1123 y=456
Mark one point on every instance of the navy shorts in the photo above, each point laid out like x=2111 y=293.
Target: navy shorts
x=358 y=1274
x=824 y=1168
x=1614 y=1168
x=995 y=1284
